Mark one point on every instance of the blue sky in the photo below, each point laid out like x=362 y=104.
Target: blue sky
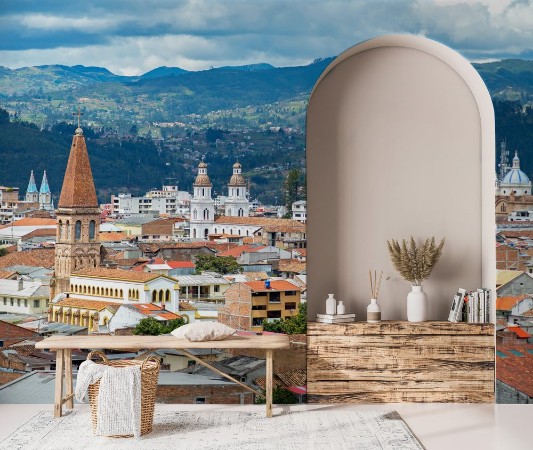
x=132 y=37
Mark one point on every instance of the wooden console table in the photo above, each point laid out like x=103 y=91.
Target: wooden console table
x=392 y=361
x=63 y=346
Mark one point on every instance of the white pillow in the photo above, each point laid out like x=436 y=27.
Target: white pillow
x=203 y=331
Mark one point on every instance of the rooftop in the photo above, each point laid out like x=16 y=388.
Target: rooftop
x=198 y=280
x=275 y=285
x=116 y=274
x=97 y=305
x=507 y=303
x=41 y=257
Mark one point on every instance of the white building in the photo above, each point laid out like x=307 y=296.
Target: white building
x=237 y=203
x=515 y=181
x=299 y=211
x=24 y=297
x=169 y=201
x=128 y=316
x=205 y=287
x=202 y=205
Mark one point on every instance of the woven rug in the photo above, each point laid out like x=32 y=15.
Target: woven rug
x=214 y=430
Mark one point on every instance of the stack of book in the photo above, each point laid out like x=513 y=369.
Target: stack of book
x=335 y=318
x=471 y=307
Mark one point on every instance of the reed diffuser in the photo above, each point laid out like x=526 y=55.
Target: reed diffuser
x=373 y=311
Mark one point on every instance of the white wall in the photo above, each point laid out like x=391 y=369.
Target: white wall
x=400 y=142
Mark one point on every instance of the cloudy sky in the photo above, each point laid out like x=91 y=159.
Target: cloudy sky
x=131 y=37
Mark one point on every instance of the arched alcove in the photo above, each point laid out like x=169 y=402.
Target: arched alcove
x=400 y=142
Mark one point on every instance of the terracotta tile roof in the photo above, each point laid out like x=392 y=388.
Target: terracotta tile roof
x=528 y=313
x=300 y=251
x=517 y=233
x=116 y=274
x=275 y=285
x=514 y=370
x=238 y=251
x=520 y=333
x=504 y=276
x=97 y=305
x=267 y=223
x=78 y=185
x=40 y=257
x=151 y=310
x=291 y=265
x=181 y=264
x=253 y=276
x=152 y=248
x=40 y=232
x=5 y=274
x=31 y=222
x=185 y=306
x=112 y=236
x=507 y=303
x=285 y=379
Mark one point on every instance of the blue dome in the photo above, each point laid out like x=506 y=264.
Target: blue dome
x=515 y=176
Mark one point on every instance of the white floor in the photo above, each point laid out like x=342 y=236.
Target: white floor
x=437 y=426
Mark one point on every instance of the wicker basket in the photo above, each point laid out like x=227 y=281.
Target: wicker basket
x=149 y=377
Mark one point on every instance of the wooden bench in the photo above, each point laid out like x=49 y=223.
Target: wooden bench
x=63 y=346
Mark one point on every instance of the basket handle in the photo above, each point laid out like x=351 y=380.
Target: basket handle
x=98 y=354
x=150 y=358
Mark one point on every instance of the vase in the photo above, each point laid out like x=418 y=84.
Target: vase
x=373 y=312
x=417 y=305
x=331 y=304
x=340 y=308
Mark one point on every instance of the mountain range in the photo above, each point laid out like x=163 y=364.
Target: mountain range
x=175 y=104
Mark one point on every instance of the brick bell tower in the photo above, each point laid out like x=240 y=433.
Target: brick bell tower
x=78 y=218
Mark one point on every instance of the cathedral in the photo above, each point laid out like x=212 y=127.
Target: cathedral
x=203 y=206
x=43 y=196
x=513 y=190
x=78 y=218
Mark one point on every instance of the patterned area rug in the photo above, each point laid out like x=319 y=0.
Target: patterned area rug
x=215 y=430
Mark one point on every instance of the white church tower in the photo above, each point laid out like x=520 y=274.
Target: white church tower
x=202 y=205
x=237 y=203
x=32 y=194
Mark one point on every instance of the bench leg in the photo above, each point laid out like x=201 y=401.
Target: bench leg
x=58 y=399
x=68 y=378
x=269 y=375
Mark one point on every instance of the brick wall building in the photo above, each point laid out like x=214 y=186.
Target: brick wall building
x=11 y=334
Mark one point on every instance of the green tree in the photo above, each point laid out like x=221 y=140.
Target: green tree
x=153 y=327
x=3 y=251
x=4 y=116
x=290 y=325
x=280 y=396
x=292 y=187
x=219 y=264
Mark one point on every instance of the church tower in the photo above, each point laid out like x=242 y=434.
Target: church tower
x=32 y=194
x=78 y=218
x=45 y=195
x=237 y=203
x=202 y=205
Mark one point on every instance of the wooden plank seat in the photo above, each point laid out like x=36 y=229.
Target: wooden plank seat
x=63 y=346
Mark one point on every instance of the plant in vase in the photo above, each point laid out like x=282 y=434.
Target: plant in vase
x=415 y=263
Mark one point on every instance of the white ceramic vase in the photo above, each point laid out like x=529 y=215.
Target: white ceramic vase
x=417 y=305
x=331 y=304
x=373 y=312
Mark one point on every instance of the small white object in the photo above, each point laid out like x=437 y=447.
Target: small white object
x=331 y=304
x=373 y=312
x=203 y=331
x=417 y=305
x=340 y=308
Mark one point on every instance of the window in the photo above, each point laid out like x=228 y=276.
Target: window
x=191 y=363
x=274 y=297
x=216 y=288
x=200 y=400
x=154 y=296
x=167 y=295
x=274 y=314
x=36 y=303
x=12 y=301
x=77 y=230
x=288 y=293
x=18 y=301
x=25 y=303
x=68 y=230
x=257 y=321
x=5 y=301
x=291 y=305
x=92 y=228
x=259 y=308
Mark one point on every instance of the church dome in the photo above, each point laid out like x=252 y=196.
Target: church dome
x=202 y=180
x=237 y=180
x=515 y=175
x=202 y=165
x=237 y=165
